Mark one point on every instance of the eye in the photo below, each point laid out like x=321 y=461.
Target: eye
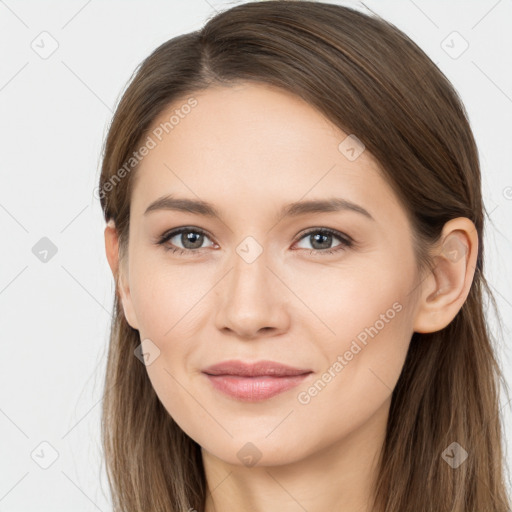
x=190 y=238
x=321 y=239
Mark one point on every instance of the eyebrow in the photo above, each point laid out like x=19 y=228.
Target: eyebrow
x=199 y=207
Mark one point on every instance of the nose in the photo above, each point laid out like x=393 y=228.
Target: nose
x=252 y=301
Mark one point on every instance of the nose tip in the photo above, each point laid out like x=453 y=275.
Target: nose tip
x=251 y=302
x=249 y=331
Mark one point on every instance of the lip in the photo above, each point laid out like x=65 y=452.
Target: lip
x=253 y=382
x=257 y=369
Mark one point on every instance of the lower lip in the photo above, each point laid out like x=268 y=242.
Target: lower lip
x=254 y=389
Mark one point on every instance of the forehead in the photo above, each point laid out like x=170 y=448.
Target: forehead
x=249 y=145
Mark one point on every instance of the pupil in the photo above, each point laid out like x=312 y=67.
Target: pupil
x=325 y=244
x=189 y=237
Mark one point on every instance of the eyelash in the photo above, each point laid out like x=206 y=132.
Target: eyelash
x=346 y=241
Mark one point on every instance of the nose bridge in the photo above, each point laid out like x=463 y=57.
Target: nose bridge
x=252 y=299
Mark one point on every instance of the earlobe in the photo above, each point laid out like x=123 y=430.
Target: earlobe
x=122 y=288
x=446 y=288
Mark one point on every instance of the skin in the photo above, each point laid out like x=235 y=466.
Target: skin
x=250 y=149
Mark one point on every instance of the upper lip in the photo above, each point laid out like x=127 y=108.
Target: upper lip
x=259 y=368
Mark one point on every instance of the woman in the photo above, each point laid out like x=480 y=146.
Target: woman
x=295 y=226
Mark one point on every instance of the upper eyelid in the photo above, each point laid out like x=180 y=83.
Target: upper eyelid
x=331 y=231
x=173 y=232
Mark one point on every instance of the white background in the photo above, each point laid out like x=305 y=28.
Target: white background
x=54 y=113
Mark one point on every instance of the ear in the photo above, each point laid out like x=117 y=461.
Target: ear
x=445 y=288
x=119 y=273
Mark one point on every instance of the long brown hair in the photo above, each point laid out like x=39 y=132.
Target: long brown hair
x=371 y=80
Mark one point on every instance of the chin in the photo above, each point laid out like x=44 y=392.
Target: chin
x=256 y=451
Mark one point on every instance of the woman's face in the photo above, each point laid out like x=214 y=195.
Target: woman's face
x=254 y=282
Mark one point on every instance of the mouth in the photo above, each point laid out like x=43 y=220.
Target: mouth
x=254 y=389
x=254 y=382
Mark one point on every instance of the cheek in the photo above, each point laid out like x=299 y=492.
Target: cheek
x=360 y=301
x=370 y=327
x=167 y=298
x=170 y=306
x=363 y=363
